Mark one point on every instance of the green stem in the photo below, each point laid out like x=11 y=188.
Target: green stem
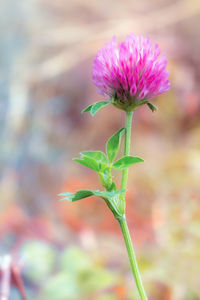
x=122 y=221
x=132 y=258
x=127 y=145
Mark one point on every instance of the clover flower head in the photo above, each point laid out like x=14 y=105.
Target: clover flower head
x=130 y=71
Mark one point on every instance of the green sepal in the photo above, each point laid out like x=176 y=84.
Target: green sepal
x=113 y=145
x=97 y=106
x=88 y=162
x=152 y=107
x=126 y=162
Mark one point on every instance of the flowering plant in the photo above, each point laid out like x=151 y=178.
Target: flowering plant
x=129 y=74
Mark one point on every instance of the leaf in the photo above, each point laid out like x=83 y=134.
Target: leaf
x=81 y=194
x=113 y=145
x=97 y=106
x=87 y=108
x=96 y=155
x=76 y=196
x=112 y=199
x=88 y=162
x=152 y=107
x=40 y=261
x=126 y=162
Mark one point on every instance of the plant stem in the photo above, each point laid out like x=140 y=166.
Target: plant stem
x=132 y=258
x=127 y=145
x=122 y=221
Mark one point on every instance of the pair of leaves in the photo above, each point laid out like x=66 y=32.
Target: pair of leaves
x=95 y=107
x=112 y=149
x=121 y=164
x=97 y=160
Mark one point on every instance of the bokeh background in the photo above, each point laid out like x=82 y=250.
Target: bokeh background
x=72 y=251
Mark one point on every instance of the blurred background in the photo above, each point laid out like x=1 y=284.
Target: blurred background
x=73 y=251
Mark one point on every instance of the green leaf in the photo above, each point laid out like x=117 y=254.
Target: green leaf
x=81 y=194
x=126 y=162
x=40 y=260
x=112 y=199
x=88 y=162
x=87 y=108
x=96 y=155
x=113 y=145
x=152 y=107
x=97 y=106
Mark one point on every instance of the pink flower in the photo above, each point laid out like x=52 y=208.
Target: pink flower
x=130 y=71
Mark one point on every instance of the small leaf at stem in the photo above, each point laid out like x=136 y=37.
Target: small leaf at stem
x=81 y=194
x=152 y=107
x=88 y=108
x=88 y=162
x=97 y=106
x=126 y=162
x=113 y=145
x=96 y=155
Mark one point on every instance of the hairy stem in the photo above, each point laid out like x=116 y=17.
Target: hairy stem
x=122 y=221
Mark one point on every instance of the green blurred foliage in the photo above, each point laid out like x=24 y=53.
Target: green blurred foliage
x=67 y=274
x=39 y=260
